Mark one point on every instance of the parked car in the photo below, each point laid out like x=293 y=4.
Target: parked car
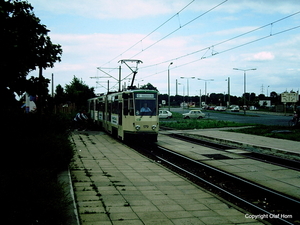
x=253 y=108
x=165 y=114
x=235 y=109
x=220 y=108
x=197 y=114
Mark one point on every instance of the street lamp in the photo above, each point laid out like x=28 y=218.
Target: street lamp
x=205 y=86
x=244 y=85
x=187 y=82
x=228 y=81
x=169 y=84
x=182 y=94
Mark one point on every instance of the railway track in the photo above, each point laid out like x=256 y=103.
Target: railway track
x=271 y=206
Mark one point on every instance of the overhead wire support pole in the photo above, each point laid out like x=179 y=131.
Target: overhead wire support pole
x=108 y=76
x=101 y=69
x=137 y=61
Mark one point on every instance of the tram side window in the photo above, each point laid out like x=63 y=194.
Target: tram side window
x=92 y=105
x=128 y=107
x=115 y=107
x=120 y=113
x=131 y=107
x=109 y=107
x=125 y=110
x=101 y=106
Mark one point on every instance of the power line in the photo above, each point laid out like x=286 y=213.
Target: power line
x=151 y=32
x=206 y=49
x=229 y=49
x=180 y=28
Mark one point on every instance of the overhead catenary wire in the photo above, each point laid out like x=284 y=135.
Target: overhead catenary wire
x=206 y=49
x=176 y=14
x=180 y=27
x=229 y=49
x=211 y=47
x=230 y=39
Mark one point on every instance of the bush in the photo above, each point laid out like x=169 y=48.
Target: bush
x=36 y=149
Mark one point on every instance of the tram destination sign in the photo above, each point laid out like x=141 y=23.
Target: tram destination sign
x=289 y=97
x=145 y=95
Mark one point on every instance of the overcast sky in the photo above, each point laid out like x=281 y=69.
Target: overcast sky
x=204 y=39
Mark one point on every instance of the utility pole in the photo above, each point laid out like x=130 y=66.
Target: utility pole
x=137 y=61
x=52 y=86
x=169 y=85
x=244 y=86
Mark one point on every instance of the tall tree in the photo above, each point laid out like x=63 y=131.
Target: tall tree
x=78 y=92
x=25 y=45
x=60 y=96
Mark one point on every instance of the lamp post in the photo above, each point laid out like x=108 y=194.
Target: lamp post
x=228 y=82
x=187 y=83
x=205 y=86
x=182 y=94
x=169 y=84
x=244 y=85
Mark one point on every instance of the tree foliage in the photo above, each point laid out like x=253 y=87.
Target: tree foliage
x=148 y=86
x=25 y=45
x=78 y=92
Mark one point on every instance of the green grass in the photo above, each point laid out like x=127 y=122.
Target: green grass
x=177 y=122
x=282 y=132
x=199 y=124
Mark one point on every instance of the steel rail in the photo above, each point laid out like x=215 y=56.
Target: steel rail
x=222 y=190
x=231 y=175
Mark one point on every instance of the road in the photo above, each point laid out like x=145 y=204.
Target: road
x=251 y=117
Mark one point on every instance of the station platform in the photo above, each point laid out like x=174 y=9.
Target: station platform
x=273 y=146
x=282 y=180
x=114 y=184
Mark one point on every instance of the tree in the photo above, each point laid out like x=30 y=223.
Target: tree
x=37 y=85
x=275 y=98
x=25 y=46
x=148 y=87
x=78 y=92
x=60 y=96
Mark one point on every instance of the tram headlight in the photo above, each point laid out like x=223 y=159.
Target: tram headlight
x=137 y=127
x=153 y=127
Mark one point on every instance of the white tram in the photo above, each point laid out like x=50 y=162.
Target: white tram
x=128 y=114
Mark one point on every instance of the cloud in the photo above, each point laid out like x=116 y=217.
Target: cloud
x=96 y=33
x=130 y=9
x=260 y=56
x=103 y=9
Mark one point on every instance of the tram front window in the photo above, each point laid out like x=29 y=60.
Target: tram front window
x=145 y=107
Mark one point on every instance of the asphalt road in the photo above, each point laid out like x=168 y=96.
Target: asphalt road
x=251 y=117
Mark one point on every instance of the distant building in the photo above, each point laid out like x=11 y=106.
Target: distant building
x=266 y=103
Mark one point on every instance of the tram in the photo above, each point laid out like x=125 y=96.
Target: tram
x=127 y=115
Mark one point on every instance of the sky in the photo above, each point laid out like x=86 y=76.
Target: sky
x=201 y=41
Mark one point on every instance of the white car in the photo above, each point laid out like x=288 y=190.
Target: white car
x=220 y=108
x=235 y=109
x=165 y=114
x=197 y=114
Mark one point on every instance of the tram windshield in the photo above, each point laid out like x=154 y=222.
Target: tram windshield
x=145 y=106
